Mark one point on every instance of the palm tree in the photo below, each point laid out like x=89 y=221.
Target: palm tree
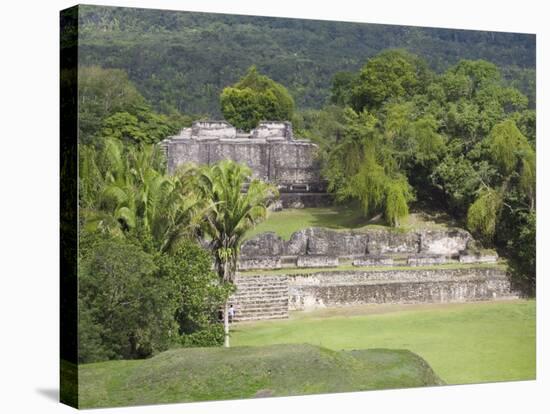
x=235 y=207
x=135 y=194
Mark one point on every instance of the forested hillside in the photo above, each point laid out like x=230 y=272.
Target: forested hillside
x=182 y=61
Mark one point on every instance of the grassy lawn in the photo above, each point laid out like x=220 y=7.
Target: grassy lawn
x=244 y=372
x=463 y=343
x=288 y=221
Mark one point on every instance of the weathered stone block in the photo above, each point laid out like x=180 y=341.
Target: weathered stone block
x=373 y=261
x=258 y=263
x=478 y=258
x=267 y=244
x=316 y=261
x=273 y=130
x=212 y=130
x=423 y=260
x=322 y=241
x=444 y=242
x=387 y=241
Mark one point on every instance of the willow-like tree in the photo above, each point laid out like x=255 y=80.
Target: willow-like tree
x=483 y=213
x=362 y=167
x=238 y=202
x=514 y=156
x=514 y=159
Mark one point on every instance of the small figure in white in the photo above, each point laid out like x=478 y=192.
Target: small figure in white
x=231 y=313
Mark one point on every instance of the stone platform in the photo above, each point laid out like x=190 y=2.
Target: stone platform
x=273 y=296
x=319 y=267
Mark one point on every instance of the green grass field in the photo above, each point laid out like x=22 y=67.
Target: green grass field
x=244 y=372
x=463 y=343
x=288 y=221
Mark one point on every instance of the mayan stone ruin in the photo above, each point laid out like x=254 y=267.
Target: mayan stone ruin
x=358 y=267
x=270 y=150
x=350 y=267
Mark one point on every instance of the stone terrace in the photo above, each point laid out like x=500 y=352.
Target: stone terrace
x=319 y=267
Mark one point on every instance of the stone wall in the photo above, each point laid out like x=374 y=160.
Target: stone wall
x=479 y=257
x=268 y=297
x=426 y=260
x=328 y=289
x=373 y=261
x=444 y=242
x=421 y=247
x=260 y=262
x=316 y=261
x=269 y=150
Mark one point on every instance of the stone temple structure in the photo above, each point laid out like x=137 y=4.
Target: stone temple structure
x=319 y=267
x=270 y=150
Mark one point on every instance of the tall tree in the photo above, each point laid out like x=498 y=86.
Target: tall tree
x=392 y=74
x=255 y=98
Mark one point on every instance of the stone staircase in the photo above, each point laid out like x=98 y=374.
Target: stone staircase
x=260 y=297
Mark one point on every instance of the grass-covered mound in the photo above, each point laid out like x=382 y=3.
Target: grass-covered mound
x=462 y=342
x=246 y=372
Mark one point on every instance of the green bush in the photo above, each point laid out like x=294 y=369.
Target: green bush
x=211 y=335
x=126 y=305
x=199 y=293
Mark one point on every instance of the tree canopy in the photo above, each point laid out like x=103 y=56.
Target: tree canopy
x=255 y=98
x=461 y=141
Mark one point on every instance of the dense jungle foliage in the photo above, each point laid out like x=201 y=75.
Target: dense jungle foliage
x=182 y=61
x=428 y=125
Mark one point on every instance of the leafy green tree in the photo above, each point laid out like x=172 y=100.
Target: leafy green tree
x=479 y=72
x=128 y=302
x=392 y=74
x=324 y=127
x=342 y=86
x=456 y=86
x=109 y=105
x=101 y=93
x=199 y=293
x=522 y=248
x=515 y=158
x=460 y=179
x=509 y=148
x=255 y=98
x=232 y=213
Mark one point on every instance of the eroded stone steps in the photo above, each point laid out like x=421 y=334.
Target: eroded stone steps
x=263 y=300
x=261 y=297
